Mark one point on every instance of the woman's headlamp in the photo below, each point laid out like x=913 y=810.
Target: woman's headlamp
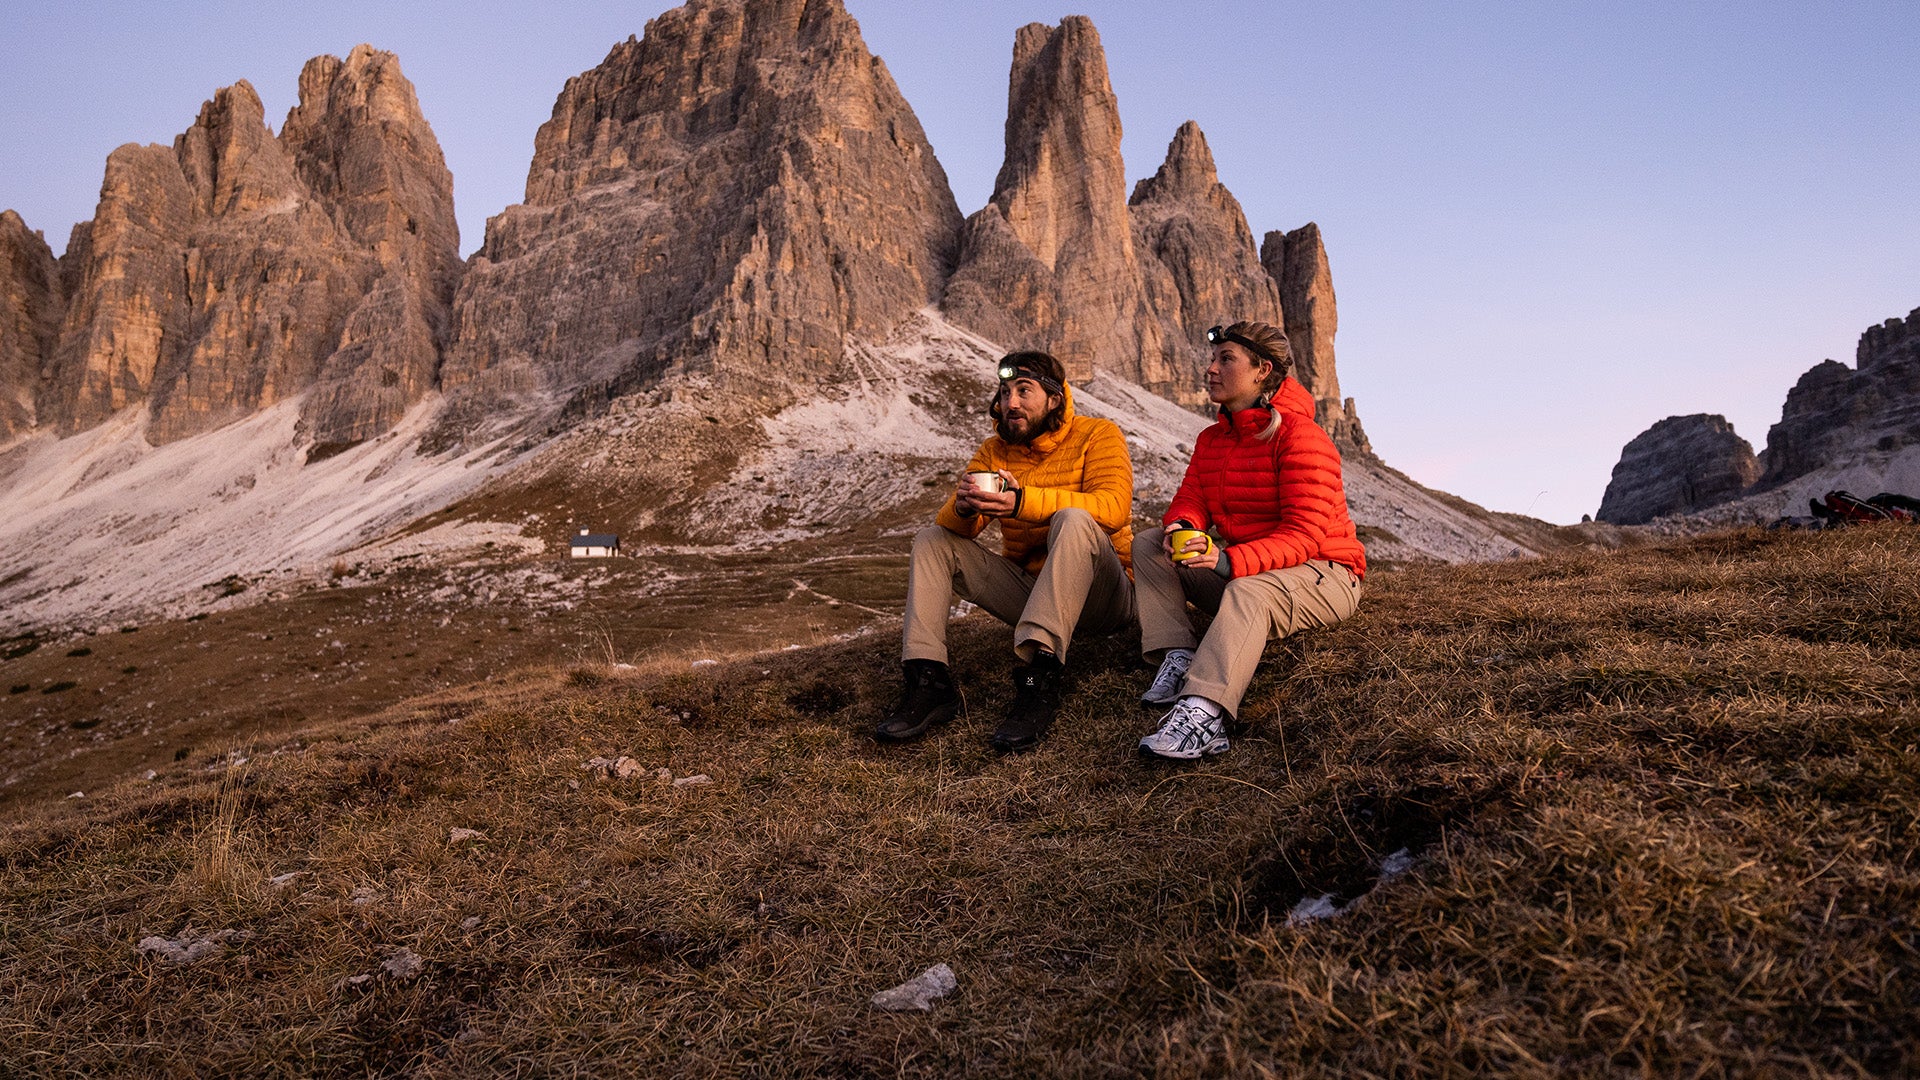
x=1219 y=334
x=1010 y=372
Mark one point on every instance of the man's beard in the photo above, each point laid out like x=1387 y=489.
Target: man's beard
x=1033 y=430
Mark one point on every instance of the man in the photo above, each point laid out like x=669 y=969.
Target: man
x=1066 y=558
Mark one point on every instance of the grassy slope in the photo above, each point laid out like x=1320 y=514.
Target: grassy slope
x=1664 y=804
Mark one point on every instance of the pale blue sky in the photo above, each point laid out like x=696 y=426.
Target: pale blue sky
x=1550 y=224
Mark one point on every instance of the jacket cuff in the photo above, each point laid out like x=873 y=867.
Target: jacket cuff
x=1225 y=566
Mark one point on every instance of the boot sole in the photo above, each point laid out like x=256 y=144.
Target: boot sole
x=941 y=715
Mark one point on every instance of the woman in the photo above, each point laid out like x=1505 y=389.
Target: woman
x=1265 y=480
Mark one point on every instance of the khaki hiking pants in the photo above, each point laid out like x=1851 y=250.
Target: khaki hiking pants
x=1082 y=585
x=1248 y=611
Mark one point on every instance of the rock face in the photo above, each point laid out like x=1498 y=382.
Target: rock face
x=735 y=193
x=1679 y=465
x=1197 y=259
x=1297 y=261
x=1049 y=263
x=240 y=269
x=29 y=317
x=1835 y=413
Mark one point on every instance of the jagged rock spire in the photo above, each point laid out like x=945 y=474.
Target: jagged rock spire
x=1297 y=261
x=1197 y=257
x=1049 y=262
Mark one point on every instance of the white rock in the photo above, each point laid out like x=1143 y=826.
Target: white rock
x=458 y=835
x=919 y=992
x=626 y=768
x=403 y=964
x=470 y=922
x=353 y=980
x=284 y=880
x=150 y=775
x=689 y=781
x=597 y=763
x=189 y=948
x=1396 y=864
x=665 y=776
x=1311 y=908
x=78 y=795
x=623 y=667
x=364 y=895
x=705 y=663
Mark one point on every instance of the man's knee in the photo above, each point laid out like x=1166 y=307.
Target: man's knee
x=1073 y=528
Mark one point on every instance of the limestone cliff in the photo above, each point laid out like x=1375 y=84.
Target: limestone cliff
x=734 y=193
x=29 y=316
x=1297 y=261
x=1049 y=262
x=1677 y=466
x=1835 y=414
x=1197 y=260
x=240 y=269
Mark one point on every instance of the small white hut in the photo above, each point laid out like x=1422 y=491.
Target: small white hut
x=592 y=545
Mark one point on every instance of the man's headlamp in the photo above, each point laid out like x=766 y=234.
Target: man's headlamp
x=1010 y=372
x=1219 y=334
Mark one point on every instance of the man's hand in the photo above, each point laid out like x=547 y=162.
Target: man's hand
x=969 y=500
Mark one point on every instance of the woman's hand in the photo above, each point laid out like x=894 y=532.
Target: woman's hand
x=1209 y=557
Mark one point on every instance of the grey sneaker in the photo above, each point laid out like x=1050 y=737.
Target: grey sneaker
x=1187 y=732
x=1169 y=679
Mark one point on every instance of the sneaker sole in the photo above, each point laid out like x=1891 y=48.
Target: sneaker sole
x=941 y=715
x=1217 y=746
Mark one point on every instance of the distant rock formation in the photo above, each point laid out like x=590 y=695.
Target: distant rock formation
x=1049 y=263
x=1679 y=465
x=1297 y=260
x=1197 y=258
x=29 y=318
x=1835 y=412
x=240 y=269
x=734 y=193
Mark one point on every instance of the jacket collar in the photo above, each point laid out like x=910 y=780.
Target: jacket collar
x=1291 y=399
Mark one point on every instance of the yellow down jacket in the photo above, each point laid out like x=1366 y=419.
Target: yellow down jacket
x=1082 y=464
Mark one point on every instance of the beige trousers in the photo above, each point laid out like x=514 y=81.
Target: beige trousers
x=1082 y=585
x=1248 y=611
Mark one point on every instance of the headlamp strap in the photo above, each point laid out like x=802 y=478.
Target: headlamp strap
x=1009 y=372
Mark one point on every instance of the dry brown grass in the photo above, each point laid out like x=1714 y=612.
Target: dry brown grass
x=1664 y=802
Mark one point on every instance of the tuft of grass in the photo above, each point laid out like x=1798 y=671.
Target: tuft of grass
x=1661 y=808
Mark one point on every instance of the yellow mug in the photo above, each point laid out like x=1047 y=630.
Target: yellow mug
x=1179 y=539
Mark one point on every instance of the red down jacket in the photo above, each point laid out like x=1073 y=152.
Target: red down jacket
x=1274 y=502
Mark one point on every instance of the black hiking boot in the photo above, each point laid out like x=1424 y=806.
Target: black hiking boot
x=1036 y=698
x=928 y=698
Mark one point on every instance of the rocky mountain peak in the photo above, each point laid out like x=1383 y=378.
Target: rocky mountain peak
x=1835 y=414
x=242 y=269
x=231 y=159
x=1681 y=464
x=29 y=318
x=1187 y=173
x=736 y=192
